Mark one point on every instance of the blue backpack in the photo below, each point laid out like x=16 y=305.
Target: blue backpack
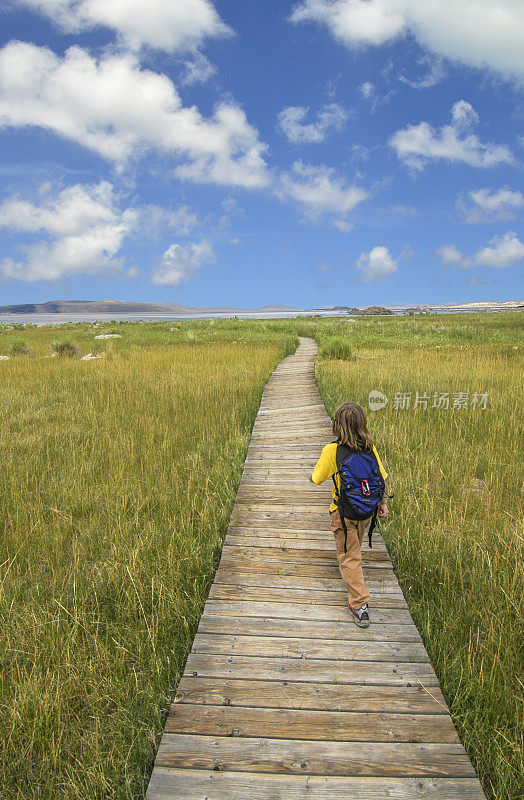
x=361 y=487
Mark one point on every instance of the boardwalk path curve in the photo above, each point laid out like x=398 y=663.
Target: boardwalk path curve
x=283 y=697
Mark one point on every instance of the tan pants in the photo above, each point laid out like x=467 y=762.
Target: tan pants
x=350 y=562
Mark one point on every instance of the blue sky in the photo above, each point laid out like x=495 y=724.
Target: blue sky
x=311 y=153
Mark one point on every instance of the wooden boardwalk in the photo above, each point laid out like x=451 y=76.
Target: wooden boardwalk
x=283 y=697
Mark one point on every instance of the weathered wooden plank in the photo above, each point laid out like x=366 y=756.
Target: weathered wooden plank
x=260 y=474
x=312 y=535
x=317 y=440
x=297 y=537
x=292 y=756
x=262 y=496
x=310 y=437
x=300 y=543
x=315 y=437
x=281 y=519
x=265 y=501
x=281 y=485
x=294 y=431
x=194 y=784
x=270 y=594
x=293 y=446
x=292 y=647
x=282 y=412
x=301 y=538
x=287 y=420
x=392 y=673
x=288 y=465
x=286 y=723
x=308 y=629
x=222 y=575
x=323 y=570
x=303 y=611
x=283 y=539
x=304 y=556
x=294 y=485
x=308 y=695
x=311 y=510
x=297 y=467
x=272 y=460
x=282 y=550
x=290 y=549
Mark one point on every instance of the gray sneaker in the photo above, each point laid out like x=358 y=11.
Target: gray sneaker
x=360 y=615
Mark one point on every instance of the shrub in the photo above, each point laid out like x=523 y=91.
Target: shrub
x=337 y=347
x=18 y=347
x=65 y=348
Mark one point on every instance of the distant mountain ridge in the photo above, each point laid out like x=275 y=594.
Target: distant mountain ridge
x=371 y=310
x=122 y=307
x=132 y=307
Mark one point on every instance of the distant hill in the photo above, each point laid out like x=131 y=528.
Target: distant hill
x=371 y=310
x=123 y=307
x=85 y=307
x=130 y=307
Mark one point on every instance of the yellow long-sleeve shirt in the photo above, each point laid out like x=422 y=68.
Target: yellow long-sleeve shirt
x=326 y=467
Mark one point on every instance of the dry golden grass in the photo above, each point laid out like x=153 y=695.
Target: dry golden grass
x=118 y=477
x=117 y=480
x=455 y=529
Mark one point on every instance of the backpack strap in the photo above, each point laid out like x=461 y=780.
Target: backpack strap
x=336 y=500
x=337 y=497
x=372 y=526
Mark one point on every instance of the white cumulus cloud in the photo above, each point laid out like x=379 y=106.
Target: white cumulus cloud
x=179 y=262
x=487 y=205
x=171 y=25
x=368 y=90
x=478 y=33
x=463 y=115
x=82 y=231
x=321 y=193
x=376 y=265
x=197 y=69
x=153 y=220
x=451 y=255
x=291 y=122
x=119 y=110
x=417 y=144
x=501 y=251
x=354 y=22
x=435 y=73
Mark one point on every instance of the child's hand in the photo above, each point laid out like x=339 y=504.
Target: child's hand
x=383 y=509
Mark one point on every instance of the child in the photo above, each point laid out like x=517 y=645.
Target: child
x=349 y=427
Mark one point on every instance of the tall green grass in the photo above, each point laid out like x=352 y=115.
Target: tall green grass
x=455 y=529
x=118 y=477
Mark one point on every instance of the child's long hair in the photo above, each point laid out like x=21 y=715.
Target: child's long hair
x=349 y=426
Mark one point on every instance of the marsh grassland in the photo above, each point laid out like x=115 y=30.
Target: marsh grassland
x=118 y=476
x=455 y=530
